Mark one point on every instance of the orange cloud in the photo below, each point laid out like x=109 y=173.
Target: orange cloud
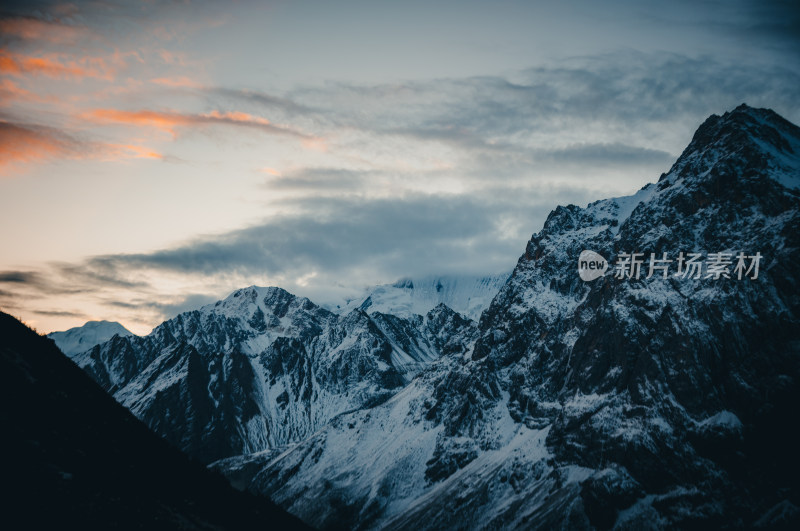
x=11 y=91
x=236 y=117
x=270 y=171
x=25 y=144
x=165 y=121
x=55 y=65
x=30 y=28
x=169 y=121
x=176 y=82
x=121 y=151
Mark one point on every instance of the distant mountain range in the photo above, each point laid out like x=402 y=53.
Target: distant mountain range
x=82 y=338
x=264 y=368
x=467 y=295
x=647 y=398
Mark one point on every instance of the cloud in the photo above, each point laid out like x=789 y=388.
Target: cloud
x=171 y=121
x=62 y=313
x=54 y=65
x=19 y=277
x=622 y=97
x=96 y=273
x=614 y=154
x=416 y=234
x=35 y=29
x=263 y=99
x=319 y=179
x=168 y=308
x=11 y=91
x=35 y=284
x=176 y=82
x=22 y=144
x=65 y=278
x=27 y=144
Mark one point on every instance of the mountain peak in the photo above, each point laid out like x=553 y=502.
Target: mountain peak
x=82 y=338
x=756 y=123
x=747 y=141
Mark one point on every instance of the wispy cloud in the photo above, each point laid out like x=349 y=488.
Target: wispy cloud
x=36 y=29
x=167 y=308
x=55 y=65
x=172 y=121
x=614 y=155
x=23 y=144
x=19 y=277
x=26 y=144
x=62 y=313
x=320 y=179
x=176 y=82
x=10 y=90
x=264 y=99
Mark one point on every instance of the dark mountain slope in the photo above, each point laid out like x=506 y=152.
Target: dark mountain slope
x=76 y=459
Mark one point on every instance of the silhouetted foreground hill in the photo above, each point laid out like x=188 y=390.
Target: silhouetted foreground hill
x=73 y=458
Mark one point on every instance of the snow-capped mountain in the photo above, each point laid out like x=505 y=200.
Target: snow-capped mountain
x=264 y=368
x=467 y=295
x=629 y=401
x=81 y=338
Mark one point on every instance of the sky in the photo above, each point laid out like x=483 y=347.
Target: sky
x=155 y=156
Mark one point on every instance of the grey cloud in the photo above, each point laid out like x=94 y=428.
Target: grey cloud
x=615 y=154
x=96 y=273
x=262 y=99
x=424 y=233
x=318 y=179
x=628 y=87
x=499 y=122
x=20 y=277
x=61 y=278
x=33 y=282
x=165 y=309
x=635 y=107
x=635 y=87
x=61 y=313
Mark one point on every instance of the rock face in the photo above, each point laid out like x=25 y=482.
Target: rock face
x=622 y=402
x=263 y=368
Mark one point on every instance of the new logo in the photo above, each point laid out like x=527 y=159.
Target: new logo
x=591 y=265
